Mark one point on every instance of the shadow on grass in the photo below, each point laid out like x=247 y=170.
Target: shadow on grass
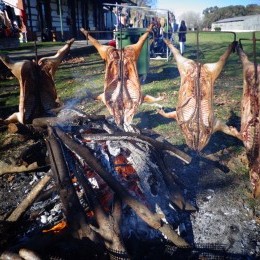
x=6 y=111
x=150 y=119
x=8 y=95
x=169 y=73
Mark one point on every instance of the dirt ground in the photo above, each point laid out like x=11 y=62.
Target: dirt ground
x=226 y=224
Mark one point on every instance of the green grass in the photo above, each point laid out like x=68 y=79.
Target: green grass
x=31 y=46
x=77 y=80
x=212 y=44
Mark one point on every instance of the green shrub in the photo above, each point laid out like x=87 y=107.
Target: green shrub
x=217 y=29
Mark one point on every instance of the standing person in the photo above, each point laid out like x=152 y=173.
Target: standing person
x=182 y=36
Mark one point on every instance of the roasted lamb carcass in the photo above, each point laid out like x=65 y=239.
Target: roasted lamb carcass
x=122 y=89
x=250 y=126
x=38 y=96
x=194 y=112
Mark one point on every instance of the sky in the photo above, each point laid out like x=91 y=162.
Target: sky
x=181 y=6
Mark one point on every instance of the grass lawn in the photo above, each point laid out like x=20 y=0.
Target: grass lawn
x=31 y=46
x=217 y=179
x=81 y=77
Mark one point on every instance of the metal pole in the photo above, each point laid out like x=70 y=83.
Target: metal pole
x=61 y=23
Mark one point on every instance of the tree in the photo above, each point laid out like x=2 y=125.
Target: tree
x=253 y=9
x=192 y=19
x=145 y=2
x=213 y=14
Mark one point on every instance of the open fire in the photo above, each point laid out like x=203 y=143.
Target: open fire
x=106 y=193
x=105 y=177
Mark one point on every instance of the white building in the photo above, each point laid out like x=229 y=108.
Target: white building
x=238 y=24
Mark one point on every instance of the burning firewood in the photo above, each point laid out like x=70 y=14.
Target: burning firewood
x=194 y=112
x=100 y=222
x=108 y=225
x=250 y=126
x=38 y=96
x=154 y=220
x=122 y=89
x=76 y=218
x=142 y=139
x=174 y=190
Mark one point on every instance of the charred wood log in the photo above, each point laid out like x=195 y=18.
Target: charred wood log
x=73 y=210
x=29 y=130
x=175 y=192
x=154 y=220
x=34 y=153
x=108 y=226
x=141 y=139
x=147 y=159
x=44 y=122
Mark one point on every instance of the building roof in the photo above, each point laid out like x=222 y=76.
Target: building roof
x=236 y=19
x=118 y=2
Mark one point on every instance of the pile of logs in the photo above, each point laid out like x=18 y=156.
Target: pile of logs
x=129 y=173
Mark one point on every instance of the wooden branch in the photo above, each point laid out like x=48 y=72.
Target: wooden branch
x=8 y=168
x=152 y=219
x=119 y=136
x=109 y=227
x=47 y=194
x=25 y=253
x=29 y=130
x=46 y=121
x=75 y=215
x=30 y=198
x=153 y=158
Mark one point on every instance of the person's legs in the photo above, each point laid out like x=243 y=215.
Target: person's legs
x=181 y=47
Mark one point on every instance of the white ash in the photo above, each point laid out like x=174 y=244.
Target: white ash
x=221 y=222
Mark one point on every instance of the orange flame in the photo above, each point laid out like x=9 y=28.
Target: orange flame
x=57 y=228
x=123 y=167
x=128 y=173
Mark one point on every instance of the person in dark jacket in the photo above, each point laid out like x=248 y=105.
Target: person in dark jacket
x=182 y=36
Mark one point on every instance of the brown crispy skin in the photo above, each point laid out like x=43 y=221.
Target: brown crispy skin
x=122 y=89
x=38 y=96
x=194 y=112
x=250 y=126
